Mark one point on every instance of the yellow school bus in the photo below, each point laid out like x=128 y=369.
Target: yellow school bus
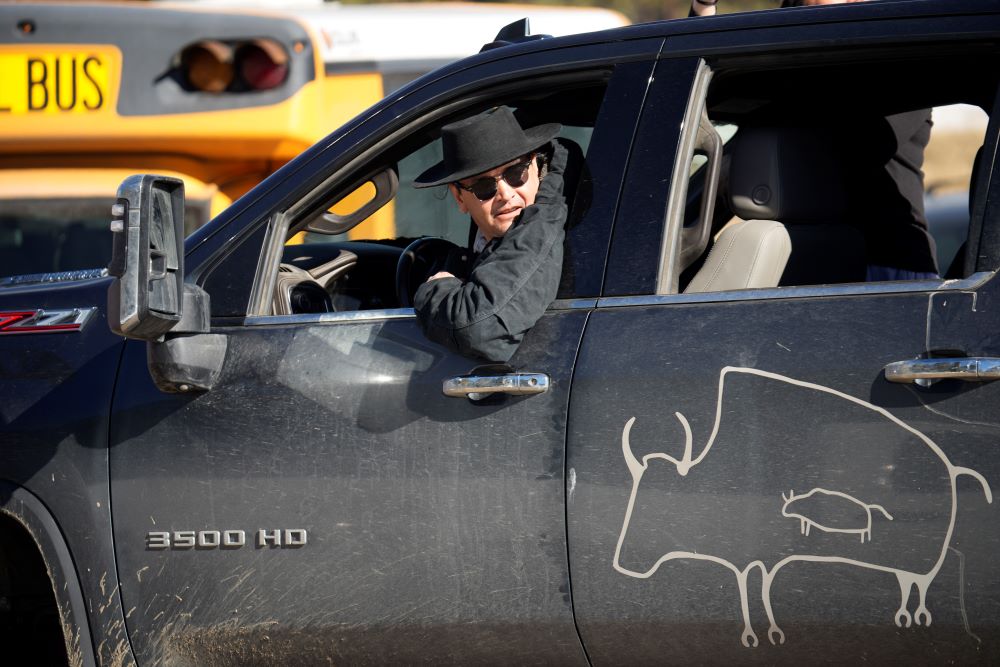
x=218 y=94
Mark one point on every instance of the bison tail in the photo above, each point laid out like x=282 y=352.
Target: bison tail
x=982 y=480
x=882 y=510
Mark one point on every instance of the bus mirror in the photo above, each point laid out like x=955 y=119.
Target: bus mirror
x=147 y=223
x=371 y=194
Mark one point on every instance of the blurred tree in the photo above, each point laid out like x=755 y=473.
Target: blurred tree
x=637 y=10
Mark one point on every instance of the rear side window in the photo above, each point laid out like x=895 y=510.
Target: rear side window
x=849 y=172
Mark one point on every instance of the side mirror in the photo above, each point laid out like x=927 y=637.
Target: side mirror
x=146 y=299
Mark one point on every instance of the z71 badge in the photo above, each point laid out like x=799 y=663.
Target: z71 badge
x=283 y=538
x=44 y=321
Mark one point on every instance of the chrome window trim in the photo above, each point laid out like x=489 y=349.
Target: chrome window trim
x=52 y=277
x=973 y=282
x=573 y=304
x=385 y=314
x=331 y=318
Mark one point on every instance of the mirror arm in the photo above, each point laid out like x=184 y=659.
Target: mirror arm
x=188 y=358
x=196 y=313
x=186 y=363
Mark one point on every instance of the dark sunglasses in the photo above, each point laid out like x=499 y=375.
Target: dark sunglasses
x=485 y=188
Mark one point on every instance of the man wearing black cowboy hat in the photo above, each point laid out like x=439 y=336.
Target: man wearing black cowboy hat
x=494 y=170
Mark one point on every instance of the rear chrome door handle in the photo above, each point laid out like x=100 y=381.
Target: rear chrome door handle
x=480 y=386
x=970 y=369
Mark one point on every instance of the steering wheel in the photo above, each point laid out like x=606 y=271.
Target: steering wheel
x=421 y=259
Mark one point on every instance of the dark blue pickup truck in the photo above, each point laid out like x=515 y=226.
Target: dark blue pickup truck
x=722 y=443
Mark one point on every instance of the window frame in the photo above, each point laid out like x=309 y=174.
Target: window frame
x=284 y=220
x=323 y=188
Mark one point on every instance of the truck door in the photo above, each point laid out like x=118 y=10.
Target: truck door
x=325 y=500
x=747 y=486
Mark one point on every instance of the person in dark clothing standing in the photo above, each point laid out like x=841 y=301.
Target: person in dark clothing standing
x=499 y=173
x=887 y=187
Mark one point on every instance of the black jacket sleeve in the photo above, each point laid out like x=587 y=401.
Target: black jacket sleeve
x=510 y=285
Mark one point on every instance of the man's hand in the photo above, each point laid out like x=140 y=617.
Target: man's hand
x=439 y=275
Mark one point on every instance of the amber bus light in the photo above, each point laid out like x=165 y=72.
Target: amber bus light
x=207 y=66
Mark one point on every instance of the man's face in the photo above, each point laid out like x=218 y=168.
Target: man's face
x=494 y=216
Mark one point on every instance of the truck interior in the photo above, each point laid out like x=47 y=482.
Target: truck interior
x=816 y=134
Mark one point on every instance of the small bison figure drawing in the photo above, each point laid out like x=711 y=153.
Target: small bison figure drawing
x=851 y=510
x=881 y=494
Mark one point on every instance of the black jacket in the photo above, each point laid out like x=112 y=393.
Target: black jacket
x=510 y=284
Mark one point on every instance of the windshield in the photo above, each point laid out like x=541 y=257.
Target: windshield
x=51 y=235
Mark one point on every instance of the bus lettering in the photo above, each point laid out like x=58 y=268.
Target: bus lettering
x=59 y=87
x=97 y=87
x=65 y=83
x=37 y=83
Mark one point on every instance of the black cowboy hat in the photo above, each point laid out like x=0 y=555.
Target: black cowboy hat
x=483 y=142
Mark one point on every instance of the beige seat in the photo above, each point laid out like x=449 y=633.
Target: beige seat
x=746 y=255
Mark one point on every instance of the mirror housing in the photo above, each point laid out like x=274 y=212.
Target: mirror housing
x=146 y=298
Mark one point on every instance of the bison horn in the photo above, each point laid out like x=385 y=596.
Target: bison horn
x=684 y=465
x=633 y=464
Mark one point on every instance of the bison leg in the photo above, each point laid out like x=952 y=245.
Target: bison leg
x=922 y=612
x=748 y=638
x=774 y=633
x=905 y=584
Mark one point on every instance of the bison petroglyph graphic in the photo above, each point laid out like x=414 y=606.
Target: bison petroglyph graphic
x=860 y=462
x=849 y=508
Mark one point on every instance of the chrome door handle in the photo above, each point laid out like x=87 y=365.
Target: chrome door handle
x=970 y=369
x=481 y=386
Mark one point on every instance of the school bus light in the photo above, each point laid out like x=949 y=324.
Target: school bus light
x=207 y=66
x=262 y=64
x=214 y=66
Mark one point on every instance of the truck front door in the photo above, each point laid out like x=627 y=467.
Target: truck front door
x=326 y=501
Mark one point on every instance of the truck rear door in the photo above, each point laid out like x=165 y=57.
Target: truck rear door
x=746 y=484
